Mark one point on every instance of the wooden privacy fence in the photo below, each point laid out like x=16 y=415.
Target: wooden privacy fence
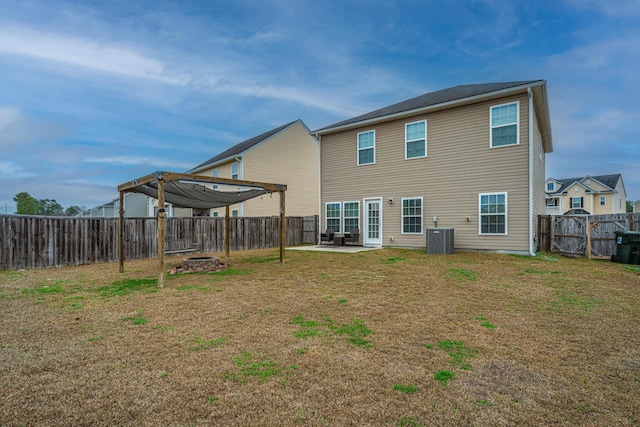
x=41 y=242
x=591 y=236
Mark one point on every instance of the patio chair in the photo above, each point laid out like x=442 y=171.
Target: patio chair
x=352 y=237
x=327 y=236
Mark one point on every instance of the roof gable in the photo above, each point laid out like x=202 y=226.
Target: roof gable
x=610 y=181
x=243 y=146
x=432 y=99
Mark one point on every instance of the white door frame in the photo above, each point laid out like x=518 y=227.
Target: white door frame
x=369 y=239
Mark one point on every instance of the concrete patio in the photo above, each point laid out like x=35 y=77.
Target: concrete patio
x=332 y=248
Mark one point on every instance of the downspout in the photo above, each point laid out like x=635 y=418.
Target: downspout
x=319 y=228
x=532 y=243
x=240 y=176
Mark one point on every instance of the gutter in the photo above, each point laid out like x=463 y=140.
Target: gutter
x=213 y=165
x=407 y=113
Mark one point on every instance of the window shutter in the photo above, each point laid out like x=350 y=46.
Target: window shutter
x=582 y=202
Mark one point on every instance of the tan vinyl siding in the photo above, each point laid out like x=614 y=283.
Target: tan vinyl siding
x=224 y=171
x=609 y=206
x=459 y=166
x=620 y=198
x=289 y=158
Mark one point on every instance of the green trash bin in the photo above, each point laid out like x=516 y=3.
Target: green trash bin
x=627 y=247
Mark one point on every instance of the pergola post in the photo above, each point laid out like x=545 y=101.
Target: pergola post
x=161 y=275
x=282 y=226
x=227 y=229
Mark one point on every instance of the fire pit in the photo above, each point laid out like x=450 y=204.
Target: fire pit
x=201 y=264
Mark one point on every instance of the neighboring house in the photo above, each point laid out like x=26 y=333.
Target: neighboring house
x=286 y=155
x=135 y=205
x=471 y=157
x=103 y=211
x=636 y=206
x=587 y=195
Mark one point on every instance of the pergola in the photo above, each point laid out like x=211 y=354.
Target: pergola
x=188 y=191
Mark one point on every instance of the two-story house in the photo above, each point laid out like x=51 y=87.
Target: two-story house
x=471 y=158
x=587 y=195
x=288 y=155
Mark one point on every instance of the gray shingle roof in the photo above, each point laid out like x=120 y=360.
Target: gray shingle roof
x=609 y=180
x=431 y=99
x=244 y=145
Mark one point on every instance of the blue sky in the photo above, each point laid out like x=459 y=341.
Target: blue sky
x=95 y=93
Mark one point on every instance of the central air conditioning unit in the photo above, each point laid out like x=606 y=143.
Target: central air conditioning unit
x=440 y=241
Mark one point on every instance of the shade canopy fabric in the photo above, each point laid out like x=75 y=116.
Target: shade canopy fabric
x=197 y=196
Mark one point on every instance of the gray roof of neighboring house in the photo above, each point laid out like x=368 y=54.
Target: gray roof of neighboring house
x=609 y=180
x=432 y=99
x=243 y=146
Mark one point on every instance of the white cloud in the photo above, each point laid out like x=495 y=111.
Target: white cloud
x=17 y=130
x=134 y=160
x=86 y=53
x=613 y=8
x=10 y=170
x=8 y=116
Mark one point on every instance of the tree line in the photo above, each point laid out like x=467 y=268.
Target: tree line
x=29 y=205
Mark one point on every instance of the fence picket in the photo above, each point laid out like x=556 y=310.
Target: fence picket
x=567 y=234
x=43 y=242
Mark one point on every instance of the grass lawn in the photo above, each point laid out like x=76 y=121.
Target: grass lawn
x=381 y=338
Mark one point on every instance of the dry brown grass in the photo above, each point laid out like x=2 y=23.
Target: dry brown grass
x=565 y=349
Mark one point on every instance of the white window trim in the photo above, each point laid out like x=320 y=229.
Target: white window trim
x=603 y=200
x=553 y=186
x=579 y=198
x=421 y=215
x=344 y=217
x=326 y=218
x=517 y=124
x=237 y=165
x=406 y=140
x=506 y=216
x=237 y=213
x=368 y=148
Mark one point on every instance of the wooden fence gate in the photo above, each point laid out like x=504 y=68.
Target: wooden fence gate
x=591 y=236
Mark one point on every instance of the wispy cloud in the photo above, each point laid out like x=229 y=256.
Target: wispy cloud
x=97 y=55
x=628 y=9
x=17 y=130
x=11 y=170
x=139 y=160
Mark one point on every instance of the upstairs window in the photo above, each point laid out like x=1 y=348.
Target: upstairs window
x=415 y=135
x=603 y=201
x=493 y=213
x=351 y=213
x=504 y=125
x=577 y=202
x=412 y=216
x=214 y=174
x=551 y=186
x=366 y=147
x=234 y=170
x=332 y=216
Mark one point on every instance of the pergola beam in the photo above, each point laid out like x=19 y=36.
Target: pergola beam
x=174 y=176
